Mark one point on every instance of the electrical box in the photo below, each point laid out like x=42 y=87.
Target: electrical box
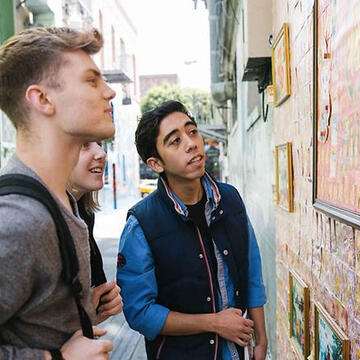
x=256 y=27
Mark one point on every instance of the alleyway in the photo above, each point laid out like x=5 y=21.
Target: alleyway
x=128 y=344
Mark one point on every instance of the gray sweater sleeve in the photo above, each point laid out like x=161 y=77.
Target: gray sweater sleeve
x=14 y=353
x=22 y=237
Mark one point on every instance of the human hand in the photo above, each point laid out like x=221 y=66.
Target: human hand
x=80 y=347
x=107 y=300
x=231 y=325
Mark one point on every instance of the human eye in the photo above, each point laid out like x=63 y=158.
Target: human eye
x=85 y=146
x=175 y=141
x=194 y=131
x=92 y=81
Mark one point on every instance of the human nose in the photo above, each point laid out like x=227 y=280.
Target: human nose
x=190 y=144
x=109 y=93
x=100 y=154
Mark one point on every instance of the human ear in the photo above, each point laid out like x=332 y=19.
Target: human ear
x=155 y=164
x=37 y=97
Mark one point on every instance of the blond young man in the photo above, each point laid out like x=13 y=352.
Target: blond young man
x=54 y=94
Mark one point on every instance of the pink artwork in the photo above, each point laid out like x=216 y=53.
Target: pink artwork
x=338 y=108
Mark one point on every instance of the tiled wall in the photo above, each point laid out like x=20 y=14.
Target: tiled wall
x=325 y=252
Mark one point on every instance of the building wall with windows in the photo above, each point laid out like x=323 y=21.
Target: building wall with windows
x=251 y=170
x=322 y=250
x=248 y=161
x=119 y=56
x=149 y=81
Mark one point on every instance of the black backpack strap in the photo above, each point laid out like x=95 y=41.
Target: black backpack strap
x=25 y=185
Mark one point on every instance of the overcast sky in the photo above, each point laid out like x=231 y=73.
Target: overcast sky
x=171 y=33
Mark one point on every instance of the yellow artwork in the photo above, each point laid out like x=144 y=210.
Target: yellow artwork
x=281 y=66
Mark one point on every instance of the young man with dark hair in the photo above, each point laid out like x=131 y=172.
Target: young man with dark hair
x=188 y=263
x=55 y=96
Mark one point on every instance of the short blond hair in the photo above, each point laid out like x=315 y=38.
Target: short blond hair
x=35 y=55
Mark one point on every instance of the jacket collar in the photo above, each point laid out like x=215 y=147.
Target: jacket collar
x=211 y=190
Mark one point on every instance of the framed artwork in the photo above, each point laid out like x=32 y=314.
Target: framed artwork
x=280 y=55
x=299 y=315
x=331 y=343
x=284 y=176
x=336 y=133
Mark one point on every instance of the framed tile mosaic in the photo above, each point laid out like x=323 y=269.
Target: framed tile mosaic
x=331 y=343
x=336 y=133
x=299 y=315
x=280 y=55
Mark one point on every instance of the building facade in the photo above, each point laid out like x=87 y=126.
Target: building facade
x=149 y=81
x=306 y=240
x=117 y=61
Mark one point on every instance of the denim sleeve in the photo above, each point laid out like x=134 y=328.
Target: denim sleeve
x=136 y=277
x=256 y=295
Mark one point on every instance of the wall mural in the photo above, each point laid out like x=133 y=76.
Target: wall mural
x=337 y=109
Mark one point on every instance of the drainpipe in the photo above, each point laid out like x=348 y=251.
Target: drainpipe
x=221 y=90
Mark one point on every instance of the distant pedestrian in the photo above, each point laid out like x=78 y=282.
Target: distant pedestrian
x=54 y=94
x=188 y=263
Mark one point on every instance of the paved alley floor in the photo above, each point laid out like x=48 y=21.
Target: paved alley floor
x=128 y=344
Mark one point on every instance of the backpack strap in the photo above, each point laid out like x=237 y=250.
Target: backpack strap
x=25 y=185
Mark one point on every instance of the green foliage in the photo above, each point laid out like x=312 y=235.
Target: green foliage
x=197 y=101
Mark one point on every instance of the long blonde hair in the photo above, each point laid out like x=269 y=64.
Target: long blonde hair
x=90 y=201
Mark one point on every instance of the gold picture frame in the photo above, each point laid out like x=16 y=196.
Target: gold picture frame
x=280 y=56
x=330 y=340
x=299 y=315
x=284 y=176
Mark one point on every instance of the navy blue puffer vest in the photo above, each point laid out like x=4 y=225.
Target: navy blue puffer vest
x=185 y=280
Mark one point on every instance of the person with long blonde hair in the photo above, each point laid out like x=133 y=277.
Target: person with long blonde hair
x=86 y=180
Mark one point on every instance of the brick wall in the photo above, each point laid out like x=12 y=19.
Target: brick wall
x=325 y=252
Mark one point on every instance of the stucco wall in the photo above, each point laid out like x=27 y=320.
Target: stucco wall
x=325 y=252
x=251 y=170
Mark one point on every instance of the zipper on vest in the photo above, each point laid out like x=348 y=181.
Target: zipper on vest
x=160 y=348
x=210 y=283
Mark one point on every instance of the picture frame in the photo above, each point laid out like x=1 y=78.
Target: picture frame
x=299 y=315
x=331 y=342
x=284 y=176
x=280 y=56
x=336 y=185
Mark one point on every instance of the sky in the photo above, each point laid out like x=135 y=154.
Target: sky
x=173 y=37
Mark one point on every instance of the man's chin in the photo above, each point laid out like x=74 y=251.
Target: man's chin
x=197 y=175
x=102 y=134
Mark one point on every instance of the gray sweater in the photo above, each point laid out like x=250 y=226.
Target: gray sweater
x=37 y=310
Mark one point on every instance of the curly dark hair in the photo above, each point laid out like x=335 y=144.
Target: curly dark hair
x=148 y=128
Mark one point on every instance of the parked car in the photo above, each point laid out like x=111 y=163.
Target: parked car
x=147 y=186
